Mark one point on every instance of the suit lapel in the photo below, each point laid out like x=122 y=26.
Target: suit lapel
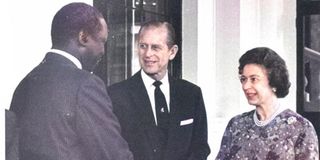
x=144 y=112
x=174 y=118
x=141 y=99
x=173 y=100
x=143 y=108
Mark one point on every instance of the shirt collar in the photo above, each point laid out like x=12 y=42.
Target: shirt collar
x=148 y=81
x=69 y=56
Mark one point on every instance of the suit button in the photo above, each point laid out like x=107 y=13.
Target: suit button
x=154 y=150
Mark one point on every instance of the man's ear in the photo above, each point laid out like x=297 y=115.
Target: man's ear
x=83 y=37
x=173 y=51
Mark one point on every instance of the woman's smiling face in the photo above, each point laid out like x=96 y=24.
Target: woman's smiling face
x=255 y=84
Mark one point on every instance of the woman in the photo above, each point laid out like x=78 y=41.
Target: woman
x=270 y=131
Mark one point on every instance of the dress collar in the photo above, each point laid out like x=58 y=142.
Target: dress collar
x=278 y=110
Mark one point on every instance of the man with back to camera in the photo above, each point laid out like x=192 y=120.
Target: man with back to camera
x=162 y=118
x=63 y=111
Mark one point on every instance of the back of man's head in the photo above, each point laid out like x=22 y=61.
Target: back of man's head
x=71 y=19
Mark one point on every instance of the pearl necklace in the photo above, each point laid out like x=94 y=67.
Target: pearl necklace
x=259 y=123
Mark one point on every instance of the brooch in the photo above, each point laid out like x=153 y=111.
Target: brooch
x=291 y=120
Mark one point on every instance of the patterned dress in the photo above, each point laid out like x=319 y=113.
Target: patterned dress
x=287 y=136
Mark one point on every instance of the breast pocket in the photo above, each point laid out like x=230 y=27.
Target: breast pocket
x=185 y=128
x=182 y=135
x=186 y=122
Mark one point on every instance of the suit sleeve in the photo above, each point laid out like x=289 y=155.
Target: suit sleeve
x=98 y=127
x=200 y=148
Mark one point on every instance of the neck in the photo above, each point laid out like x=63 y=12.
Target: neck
x=70 y=48
x=157 y=76
x=266 y=111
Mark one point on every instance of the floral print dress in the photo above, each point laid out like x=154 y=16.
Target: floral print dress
x=287 y=136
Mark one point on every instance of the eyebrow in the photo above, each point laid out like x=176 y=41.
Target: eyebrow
x=254 y=75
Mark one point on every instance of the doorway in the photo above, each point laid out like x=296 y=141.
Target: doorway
x=124 y=18
x=308 y=61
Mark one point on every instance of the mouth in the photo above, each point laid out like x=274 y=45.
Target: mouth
x=250 y=95
x=149 y=62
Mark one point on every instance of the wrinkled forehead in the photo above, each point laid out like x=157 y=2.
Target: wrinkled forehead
x=153 y=35
x=154 y=29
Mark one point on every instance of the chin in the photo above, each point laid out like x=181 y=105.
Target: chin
x=251 y=102
x=149 y=71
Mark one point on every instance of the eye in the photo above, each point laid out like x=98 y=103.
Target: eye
x=254 y=79
x=143 y=46
x=155 y=47
x=242 y=79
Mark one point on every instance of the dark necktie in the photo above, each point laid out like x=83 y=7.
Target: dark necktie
x=162 y=119
x=161 y=107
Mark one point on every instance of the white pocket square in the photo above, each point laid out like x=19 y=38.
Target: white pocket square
x=186 y=122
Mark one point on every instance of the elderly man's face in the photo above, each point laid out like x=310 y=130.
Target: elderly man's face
x=154 y=53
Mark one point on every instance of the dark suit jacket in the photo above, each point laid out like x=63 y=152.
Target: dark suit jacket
x=65 y=113
x=11 y=136
x=133 y=109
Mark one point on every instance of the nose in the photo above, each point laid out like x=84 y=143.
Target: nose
x=148 y=52
x=246 y=85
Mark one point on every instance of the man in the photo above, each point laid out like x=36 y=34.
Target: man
x=166 y=122
x=64 y=112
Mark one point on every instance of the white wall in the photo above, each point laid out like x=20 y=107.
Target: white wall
x=25 y=38
x=215 y=34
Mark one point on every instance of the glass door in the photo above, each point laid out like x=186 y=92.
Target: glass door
x=124 y=18
x=308 y=61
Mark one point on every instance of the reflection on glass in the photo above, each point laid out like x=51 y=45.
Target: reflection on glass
x=124 y=18
x=314 y=23
x=311 y=80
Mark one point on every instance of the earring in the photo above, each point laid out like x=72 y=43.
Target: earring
x=274 y=90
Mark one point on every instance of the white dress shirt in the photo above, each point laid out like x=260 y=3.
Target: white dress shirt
x=165 y=88
x=67 y=55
